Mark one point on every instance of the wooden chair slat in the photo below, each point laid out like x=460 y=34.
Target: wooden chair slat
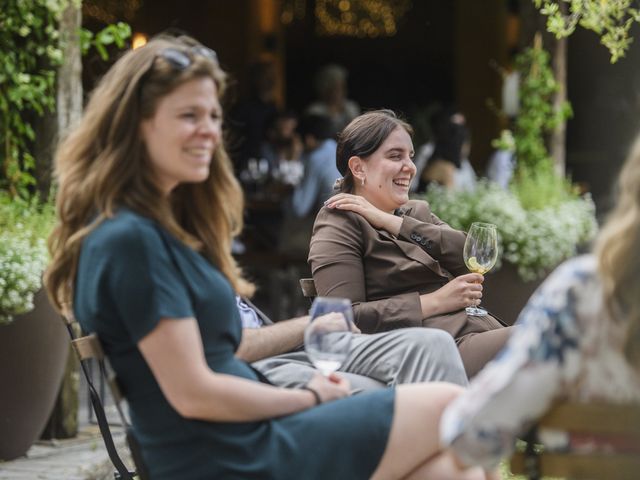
x=593 y=418
x=587 y=419
x=308 y=287
x=88 y=347
x=574 y=466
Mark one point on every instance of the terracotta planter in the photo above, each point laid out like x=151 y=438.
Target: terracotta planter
x=33 y=354
x=505 y=294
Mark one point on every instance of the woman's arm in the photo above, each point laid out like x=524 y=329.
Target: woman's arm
x=336 y=259
x=421 y=227
x=541 y=357
x=173 y=350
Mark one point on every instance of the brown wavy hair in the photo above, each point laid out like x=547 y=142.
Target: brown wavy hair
x=103 y=164
x=617 y=252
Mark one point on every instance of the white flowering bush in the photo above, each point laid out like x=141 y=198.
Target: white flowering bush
x=534 y=240
x=23 y=254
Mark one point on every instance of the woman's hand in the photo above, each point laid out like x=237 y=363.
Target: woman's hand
x=360 y=205
x=329 y=388
x=463 y=291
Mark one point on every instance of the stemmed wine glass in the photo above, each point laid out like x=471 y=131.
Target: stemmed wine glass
x=327 y=338
x=480 y=254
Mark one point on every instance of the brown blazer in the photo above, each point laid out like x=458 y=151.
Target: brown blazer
x=384 y=275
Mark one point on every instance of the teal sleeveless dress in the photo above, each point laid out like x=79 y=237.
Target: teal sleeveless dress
x=132 y=273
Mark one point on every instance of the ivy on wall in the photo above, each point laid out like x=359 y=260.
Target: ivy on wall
x=30 y=54
x=29 y=57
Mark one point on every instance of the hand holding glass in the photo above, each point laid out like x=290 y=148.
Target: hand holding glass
x=480 y=254
x=327 y=338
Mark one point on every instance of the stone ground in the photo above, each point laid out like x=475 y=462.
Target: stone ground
x=81 y=458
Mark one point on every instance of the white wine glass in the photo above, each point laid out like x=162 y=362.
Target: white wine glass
x=480 y=254
x=327 y=338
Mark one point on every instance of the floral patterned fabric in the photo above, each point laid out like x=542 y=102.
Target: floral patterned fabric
x=565 y=345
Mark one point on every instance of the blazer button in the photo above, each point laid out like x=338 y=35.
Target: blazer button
x=413 y=236
x=424 y=243
x=428 y=244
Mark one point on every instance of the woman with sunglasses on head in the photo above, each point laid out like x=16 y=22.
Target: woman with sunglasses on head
x=147 y=207
x=400 y=265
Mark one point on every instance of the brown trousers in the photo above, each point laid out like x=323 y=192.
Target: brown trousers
x=479 y=339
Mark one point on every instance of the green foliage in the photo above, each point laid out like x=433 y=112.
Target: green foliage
x=537 y=116
x=30 y=54
x=611 y=20
x=534 y=240
x=24 y=227
x=541 y=187
x=116 y=33
x=541 y=219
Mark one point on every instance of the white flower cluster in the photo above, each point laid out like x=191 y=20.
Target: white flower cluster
x=22 y=261
x=535 y=241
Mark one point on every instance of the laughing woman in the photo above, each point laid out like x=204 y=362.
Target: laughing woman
x=148 y=206
x=400 y=265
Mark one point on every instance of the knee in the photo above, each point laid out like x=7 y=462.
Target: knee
x=432 y=339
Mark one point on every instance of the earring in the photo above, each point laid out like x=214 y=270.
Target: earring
x=363 y=181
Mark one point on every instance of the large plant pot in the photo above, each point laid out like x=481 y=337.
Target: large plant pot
x=505 y=294
x=33 y=354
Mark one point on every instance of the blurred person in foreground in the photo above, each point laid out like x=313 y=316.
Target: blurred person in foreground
x=147 y=207
x=578 y=339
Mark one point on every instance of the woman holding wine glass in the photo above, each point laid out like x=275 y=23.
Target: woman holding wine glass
x=400 y=265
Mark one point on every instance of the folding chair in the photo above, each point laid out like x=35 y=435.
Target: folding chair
x=308 y=288
x=612 y=430
x=87 y=348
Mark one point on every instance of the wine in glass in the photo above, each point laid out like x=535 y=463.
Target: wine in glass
x=327 y=338
x=480 y=254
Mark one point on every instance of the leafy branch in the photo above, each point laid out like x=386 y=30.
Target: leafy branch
x=611 y=20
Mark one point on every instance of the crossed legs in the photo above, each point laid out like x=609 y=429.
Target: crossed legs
x=413 y=449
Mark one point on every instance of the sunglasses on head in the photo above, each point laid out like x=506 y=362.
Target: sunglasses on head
x=180 y=59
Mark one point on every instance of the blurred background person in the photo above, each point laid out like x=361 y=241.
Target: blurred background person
x=449 y=164
x=331 y=89
x=320 y=175
x=249 y=118
x=282 y=148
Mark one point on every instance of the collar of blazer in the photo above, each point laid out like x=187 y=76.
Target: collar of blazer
x=414 y=251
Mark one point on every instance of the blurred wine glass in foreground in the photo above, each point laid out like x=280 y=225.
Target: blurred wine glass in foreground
x=327 y=338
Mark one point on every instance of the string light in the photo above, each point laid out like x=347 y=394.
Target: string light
x=360 y=18
x=110 y=11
